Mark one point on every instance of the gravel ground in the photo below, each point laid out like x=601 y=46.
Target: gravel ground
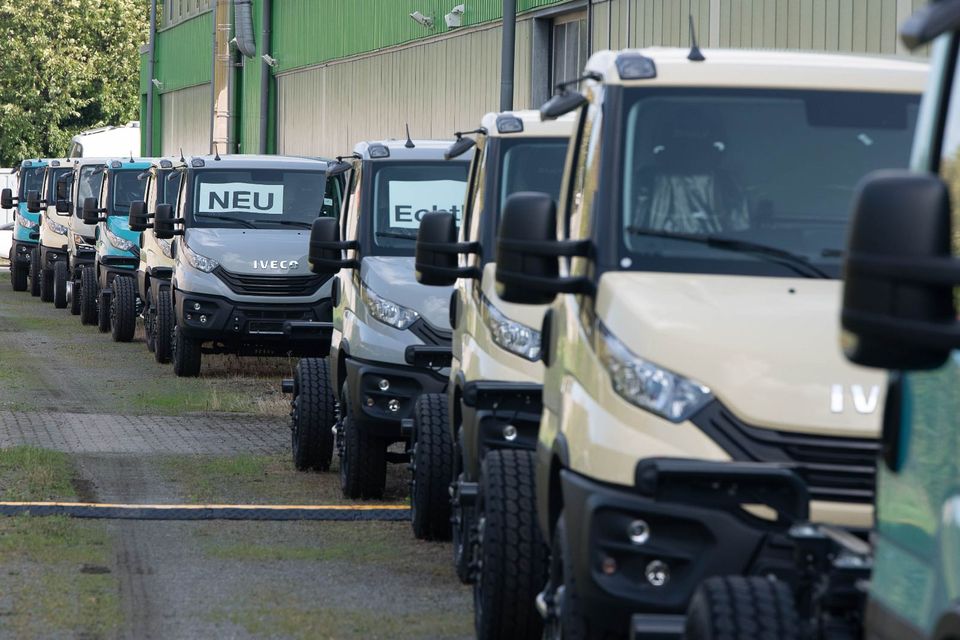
x=115 y=414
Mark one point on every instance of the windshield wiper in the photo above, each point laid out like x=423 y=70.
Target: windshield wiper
x=396 y=234
x=289 y=223
x=788 y=259
x=240 y=221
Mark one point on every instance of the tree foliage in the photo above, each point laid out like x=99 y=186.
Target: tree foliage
x=66 y=66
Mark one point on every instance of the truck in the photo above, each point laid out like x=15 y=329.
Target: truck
x=694 y=400
x=52 y=247
x=83 y=183
x=473 y=443
x=26 y=230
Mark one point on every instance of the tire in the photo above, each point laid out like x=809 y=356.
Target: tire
x=150 y=323
x=314 y=413
x=35 y=272
x=87 y=295
x=742 y=608
x=123 y=309
x=431 y=468
x=60 y=276
x=18 y=274
x=186 y=355
x=103 y=312
x=363 y=458
x=163 y=327
x=513 y=554
x=46 y=285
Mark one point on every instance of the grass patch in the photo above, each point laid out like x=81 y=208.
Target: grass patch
x=50 y=594
x=30 y=473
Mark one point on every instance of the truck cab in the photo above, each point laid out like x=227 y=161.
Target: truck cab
x=85 y=182
x=53 y=233
x=241 y=283
x=391 y=336
x=475 y=441
x=692 y=264
x=26 y=228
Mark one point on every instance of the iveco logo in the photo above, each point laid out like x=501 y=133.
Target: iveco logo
x=863 y=401
x=275 y=264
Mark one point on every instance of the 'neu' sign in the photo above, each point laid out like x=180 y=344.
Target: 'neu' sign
x=241 y=197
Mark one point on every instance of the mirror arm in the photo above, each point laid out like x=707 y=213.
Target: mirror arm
x=558 y=249
x=471 y=273
x=930 y=270
x=932 y=335
x=448 y=248
x=578 y=285
x=336 y=245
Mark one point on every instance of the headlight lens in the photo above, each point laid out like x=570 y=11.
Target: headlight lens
x=165 y=247
x=81 y=242
x=511 y=335
x=26 y=222
x=118 y=242
x=197 y=261
x=647 y=385
x=56 y=227
x=387 y=312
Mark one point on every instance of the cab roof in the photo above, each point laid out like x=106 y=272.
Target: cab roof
x=58 y=162
x=751 y=68
x=33 y=162
x=254 y=161
x=503 y=125
x=129 y=163
x=397 y=150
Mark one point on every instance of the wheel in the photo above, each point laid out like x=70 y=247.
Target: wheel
x=123 y=309
x=363 y=458
x=103 y=312
x=18 y=273
x=46 y=285
x=463 y=527
x=88 y=295
x=513 y=555
x=35 y=272
x=314 y=413
x=186 y=355
x=742 y=608
x=163 y=326
x=150 y=322
x=431 y=468
x=60 y=284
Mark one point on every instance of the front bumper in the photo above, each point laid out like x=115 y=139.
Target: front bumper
x=370 y=405
x=249 y=328
x=50 y=255
x=695 y=529
x=493 y=406
x=80 y=258
x=21 y=251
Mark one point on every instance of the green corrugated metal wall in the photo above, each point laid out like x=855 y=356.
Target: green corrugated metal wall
x=184 y=53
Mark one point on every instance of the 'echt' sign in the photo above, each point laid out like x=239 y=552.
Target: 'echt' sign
x=235 y=197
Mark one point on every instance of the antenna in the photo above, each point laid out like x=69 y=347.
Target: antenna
x=695 y=55
x=216 y=151
x=409 y=144
x=182 y=159
x=131 y=155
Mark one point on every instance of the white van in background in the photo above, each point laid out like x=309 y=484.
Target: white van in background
x=107 y=142
x=8 y=179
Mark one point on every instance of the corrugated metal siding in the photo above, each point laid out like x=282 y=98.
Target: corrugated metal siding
x=249 y=134
x=186 y=120
x=185 y=53
x=325 y=110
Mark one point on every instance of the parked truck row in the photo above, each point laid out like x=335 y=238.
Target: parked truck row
x=604 y=336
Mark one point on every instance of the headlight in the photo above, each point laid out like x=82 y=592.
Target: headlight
x=511 y=335
x=25 y=222
x=165 y=247
x=118 y=242
x=56 y=227
x=647 y=385
x=81 y=242
x=197 y=261
x=387 y=312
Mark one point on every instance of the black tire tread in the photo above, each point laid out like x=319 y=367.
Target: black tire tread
x=88 y=296
x=163 y=327
x=432 y=468
x=314 y=411
x=123 y=321
x=46 y=285
x=34 y=279
x=186 y=356
x=365 y=472
x=60 y=275
x=18 y=274
x=742 y=608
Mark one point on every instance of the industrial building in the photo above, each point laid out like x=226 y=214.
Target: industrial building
x=312 y=77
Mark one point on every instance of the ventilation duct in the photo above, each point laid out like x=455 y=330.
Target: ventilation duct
x=243 y=18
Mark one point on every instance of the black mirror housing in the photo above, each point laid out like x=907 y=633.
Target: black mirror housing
x=528 y=219
x=90 y=212
x=33 y=202
x=163 y=222
x=437 y=258
x=63 y=206
x=6 y=199
x=898 y=305
x=326 y=248
x=562 y=104
x=459 y=147
x=138 y=218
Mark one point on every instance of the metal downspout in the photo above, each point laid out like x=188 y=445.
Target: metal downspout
x=264 y=75
x=151 y=69
x=508 y=50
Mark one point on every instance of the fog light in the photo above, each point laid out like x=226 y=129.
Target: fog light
x=384 y=384
x=510 y=433
x=189 y=316
x=658 y=573
x=393 y=405
x=203 y=319
x=196 y=306
x=369 y=401
x=639 y=532
x=608 y=566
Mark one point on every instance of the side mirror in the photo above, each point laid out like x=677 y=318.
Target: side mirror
x=528 y=252
x=437 y=258
x=90 y=213
x=898 y=305
x=326 y=248
x=6 y=199
x=163 y=222
x=33 y=201
x=138 y=218
x=338 y=168
x=63 y=206
x=460 y=147
x=63 y=189
x=562 y=104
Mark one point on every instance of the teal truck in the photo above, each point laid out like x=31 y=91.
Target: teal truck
x=24 y=251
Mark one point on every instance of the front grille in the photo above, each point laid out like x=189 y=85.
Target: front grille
x=273 y=285
x=837 y=469
x=430 y=334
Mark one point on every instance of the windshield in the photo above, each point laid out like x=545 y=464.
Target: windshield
x=127 y=187
x=404 y=192
x=91 y=179
x=169 y=192
x=52 y=176
x=532 y=165
x=766 y=169
x=257 y=198
x=31 y=179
